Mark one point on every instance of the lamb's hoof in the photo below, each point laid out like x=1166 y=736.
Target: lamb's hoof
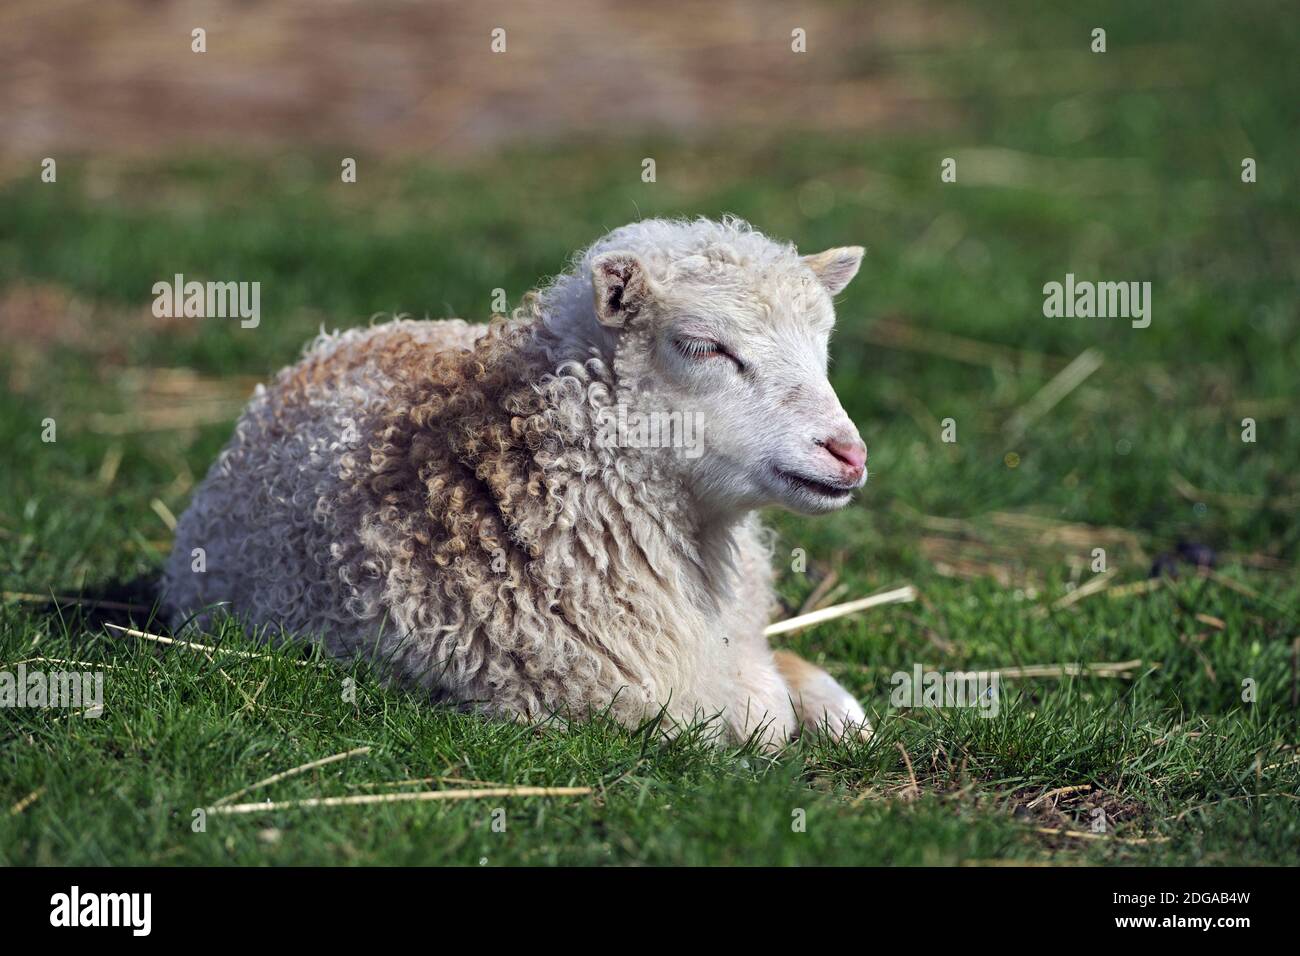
x=840 y=729
x=844 y=720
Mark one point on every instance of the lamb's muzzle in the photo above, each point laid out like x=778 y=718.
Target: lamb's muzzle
x=453 y=502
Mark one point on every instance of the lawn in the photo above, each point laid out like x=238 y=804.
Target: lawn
x=1122 y=166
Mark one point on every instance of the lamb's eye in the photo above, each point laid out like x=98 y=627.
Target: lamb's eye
x=705 y=349
x=698 y=348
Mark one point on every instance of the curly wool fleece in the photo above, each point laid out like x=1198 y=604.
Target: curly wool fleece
x=431 y=495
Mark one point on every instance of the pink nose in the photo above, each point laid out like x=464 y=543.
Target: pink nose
x=851 y=454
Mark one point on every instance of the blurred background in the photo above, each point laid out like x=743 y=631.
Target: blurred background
x=422 y=77
x=479 y=170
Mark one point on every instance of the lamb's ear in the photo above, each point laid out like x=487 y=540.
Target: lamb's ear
x=836 y=267
x=620 y=287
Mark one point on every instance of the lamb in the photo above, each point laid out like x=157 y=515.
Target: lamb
x=469 y=507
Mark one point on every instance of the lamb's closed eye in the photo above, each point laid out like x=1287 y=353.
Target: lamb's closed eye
x=704 y=349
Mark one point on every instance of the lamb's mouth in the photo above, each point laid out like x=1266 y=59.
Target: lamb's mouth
x=820 y=488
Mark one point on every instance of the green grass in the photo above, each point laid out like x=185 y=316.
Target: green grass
x=1121 y=180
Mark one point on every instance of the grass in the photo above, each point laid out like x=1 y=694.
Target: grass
x=1071 y=165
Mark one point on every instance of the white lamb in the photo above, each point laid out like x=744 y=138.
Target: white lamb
x=554 y=513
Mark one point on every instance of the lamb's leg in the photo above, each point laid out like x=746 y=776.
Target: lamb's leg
x=794 y=693
x=819 y=701
x=760 y=700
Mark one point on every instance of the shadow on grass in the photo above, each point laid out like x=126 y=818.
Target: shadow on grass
x=125 y=603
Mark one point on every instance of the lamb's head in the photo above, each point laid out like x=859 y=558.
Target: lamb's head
x=729 y=332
